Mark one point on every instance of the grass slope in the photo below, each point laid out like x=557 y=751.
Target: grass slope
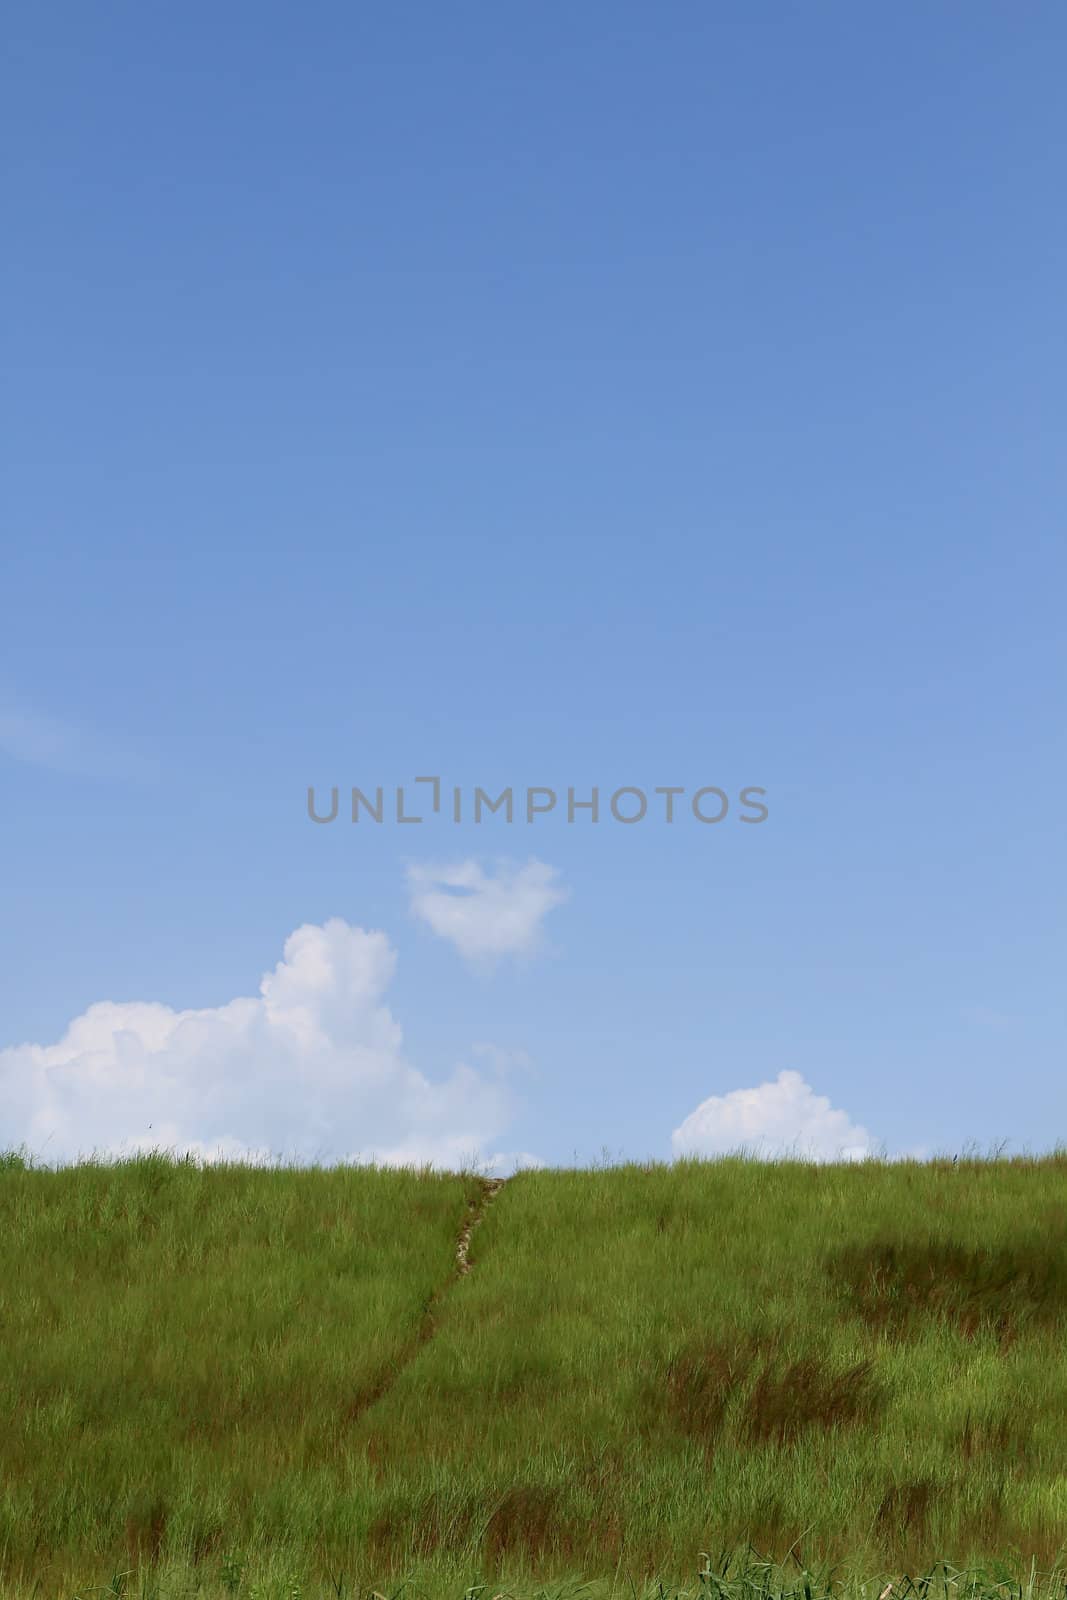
x=285 y=1372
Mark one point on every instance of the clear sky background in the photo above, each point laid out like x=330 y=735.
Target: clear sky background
x=569 y=396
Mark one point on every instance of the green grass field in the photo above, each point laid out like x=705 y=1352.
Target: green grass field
x=272 y=1381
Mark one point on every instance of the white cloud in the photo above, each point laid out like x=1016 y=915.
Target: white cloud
x=485 y=916
x=512 y=1161
x=784 y=1118
x=500 y=1164
x=312 y=1068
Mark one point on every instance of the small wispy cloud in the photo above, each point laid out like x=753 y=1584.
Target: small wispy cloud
x=986 y=1017
x=502 y=1060
x=486 y=915
x=39 y=739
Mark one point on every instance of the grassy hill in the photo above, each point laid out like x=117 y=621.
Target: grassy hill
x=262 y=1381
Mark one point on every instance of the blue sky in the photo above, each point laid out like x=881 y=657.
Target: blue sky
x=552 y=396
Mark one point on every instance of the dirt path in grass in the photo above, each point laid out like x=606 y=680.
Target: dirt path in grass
x=474 y=1216
x=381 y=1384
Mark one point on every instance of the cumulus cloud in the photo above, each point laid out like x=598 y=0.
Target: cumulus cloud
x=486 y=915
x=311 y=1067
x=784 y=1118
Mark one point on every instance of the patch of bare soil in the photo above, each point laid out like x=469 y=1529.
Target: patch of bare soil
x=475 y=1215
